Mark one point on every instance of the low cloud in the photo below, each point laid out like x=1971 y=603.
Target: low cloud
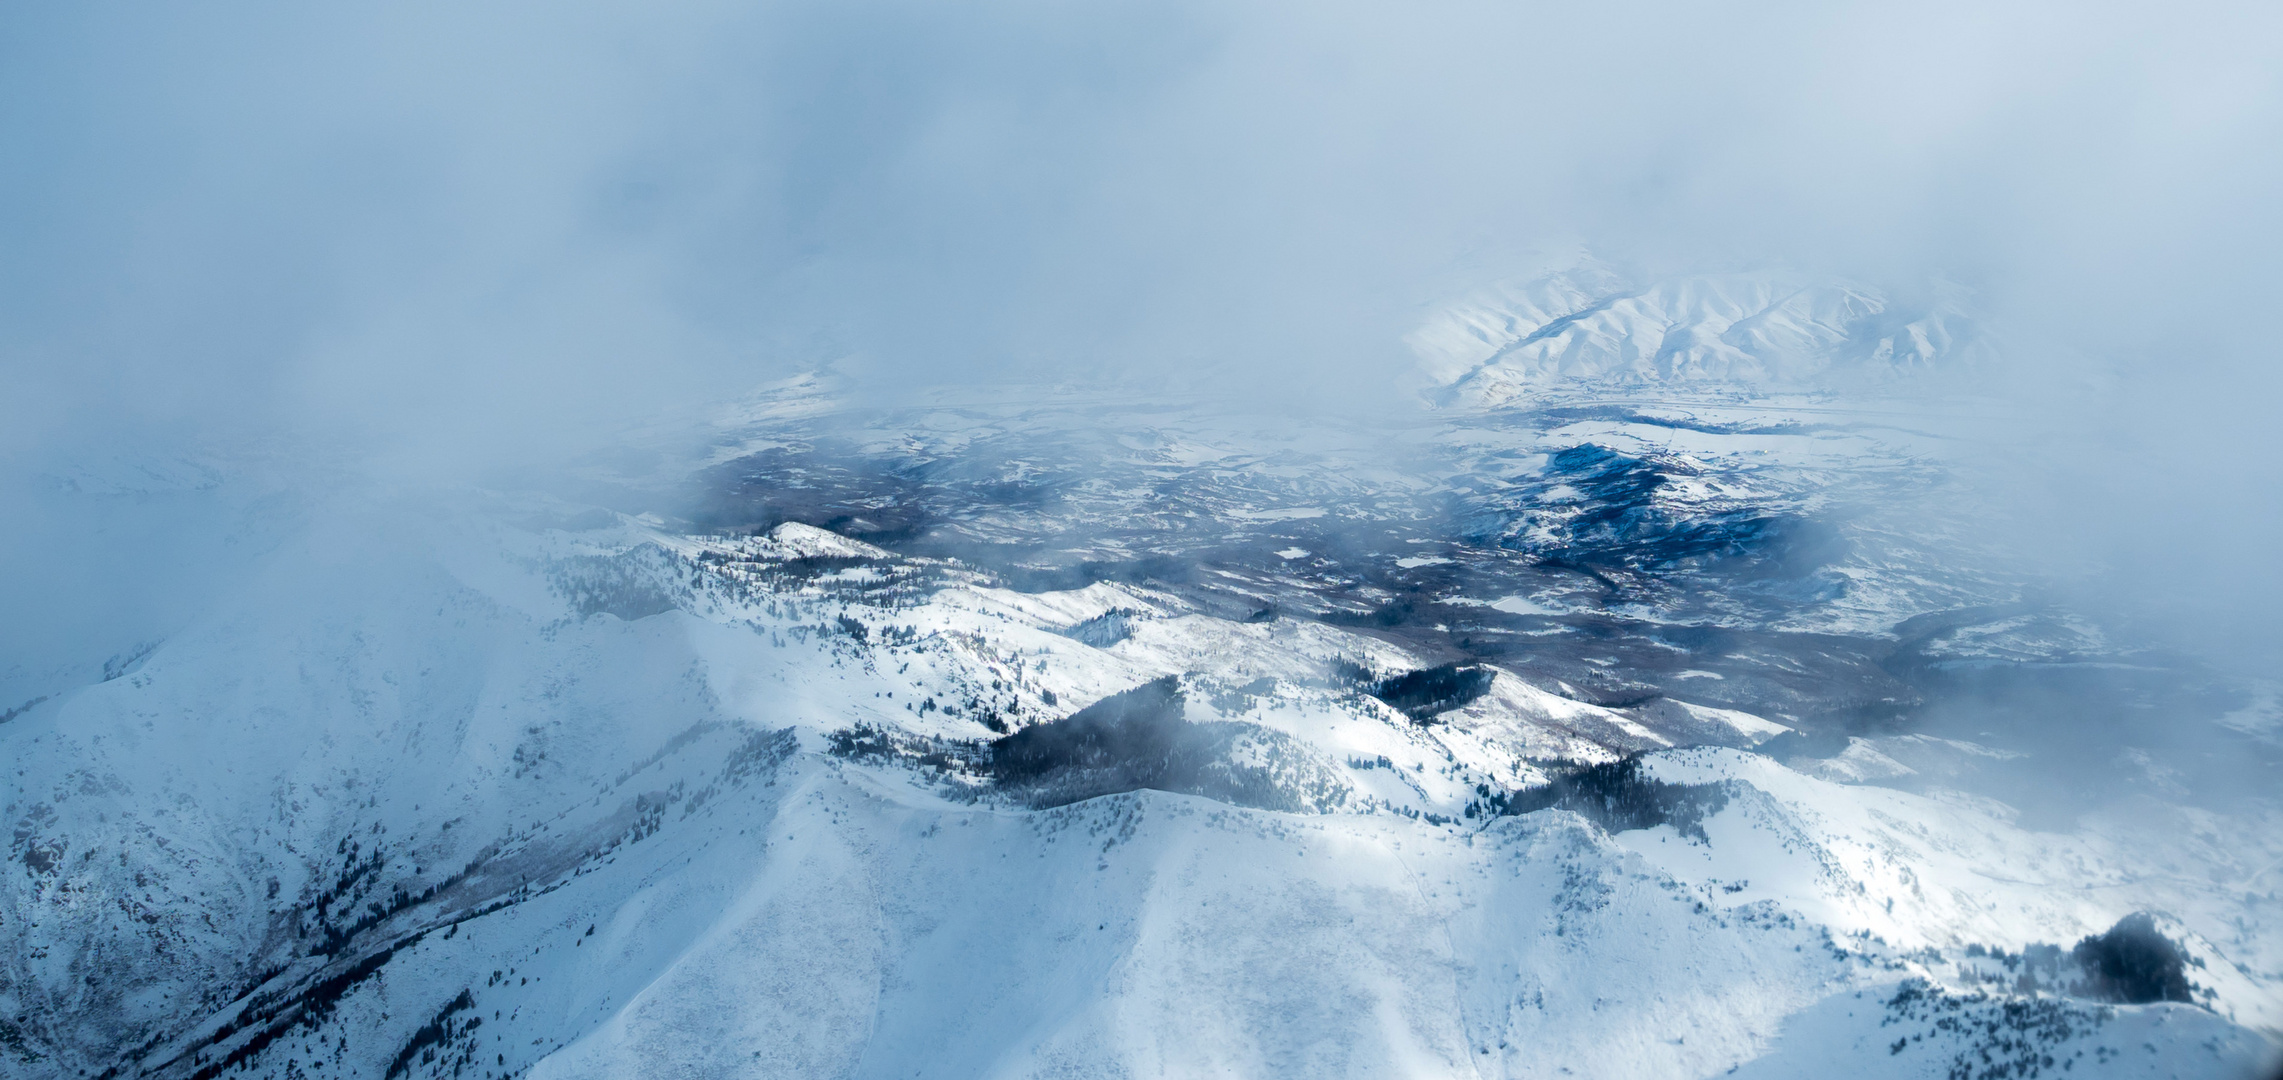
x=440 y=240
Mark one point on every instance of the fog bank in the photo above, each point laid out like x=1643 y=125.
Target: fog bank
x=424 y=241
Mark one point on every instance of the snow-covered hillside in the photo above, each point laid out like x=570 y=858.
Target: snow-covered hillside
x=614 y=801
x=1038 y=736
x=1765 y=329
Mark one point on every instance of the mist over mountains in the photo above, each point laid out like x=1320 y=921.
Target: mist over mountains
x=1154 y=540
x=1641 y=722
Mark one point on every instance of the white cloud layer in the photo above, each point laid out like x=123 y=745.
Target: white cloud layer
x=444 y=237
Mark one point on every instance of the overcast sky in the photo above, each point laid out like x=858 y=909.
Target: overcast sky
x=442 y=233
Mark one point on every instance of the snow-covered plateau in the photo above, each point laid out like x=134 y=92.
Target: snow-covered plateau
x=1643 y=703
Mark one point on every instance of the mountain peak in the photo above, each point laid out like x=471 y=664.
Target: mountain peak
x=1596 y=327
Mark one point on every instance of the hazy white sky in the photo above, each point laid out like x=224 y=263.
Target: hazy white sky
x=445 y=233
x=243 y=210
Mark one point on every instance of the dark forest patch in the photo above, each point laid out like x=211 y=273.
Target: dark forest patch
x=2133 y=964
x=434 y=1035
x=1104 y=630
x=1429 y=692
x=1126 y=742
x=1619 y=798
x=631 y=585
x=1140 y=739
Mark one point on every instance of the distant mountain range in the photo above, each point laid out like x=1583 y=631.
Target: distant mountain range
x=1771 y=331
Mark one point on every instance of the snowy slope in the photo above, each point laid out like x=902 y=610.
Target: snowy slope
x=1648 y=707
x=1594 y=325
x=491 y=797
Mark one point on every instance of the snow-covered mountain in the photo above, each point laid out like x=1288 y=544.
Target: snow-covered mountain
x=1584 y=731
x=1595 y=325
